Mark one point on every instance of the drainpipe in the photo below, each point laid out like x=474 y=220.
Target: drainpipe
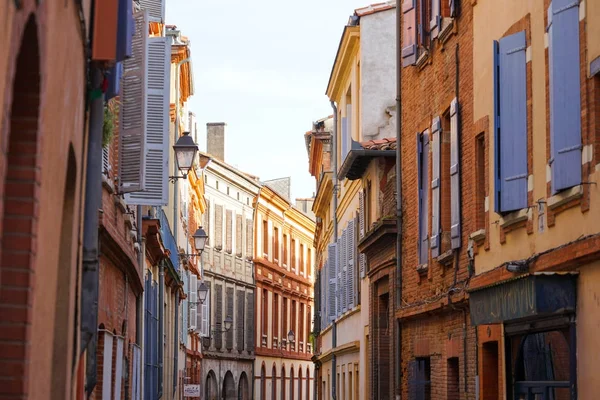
x=161 y=325
x=93 y=203
x=335 y=238
x=139 y=331
x=399 y=181
x=176 y=217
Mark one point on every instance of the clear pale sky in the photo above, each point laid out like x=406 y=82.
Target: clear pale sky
x=262 y=67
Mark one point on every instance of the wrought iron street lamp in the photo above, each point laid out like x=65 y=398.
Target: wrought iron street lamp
x=202 y=292
x=185 y=154
x=200 y=237
x=291 y=336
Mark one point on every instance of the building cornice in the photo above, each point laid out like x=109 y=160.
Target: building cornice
x=347 y=50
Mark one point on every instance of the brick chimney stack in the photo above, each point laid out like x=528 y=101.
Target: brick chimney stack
x=215 y=139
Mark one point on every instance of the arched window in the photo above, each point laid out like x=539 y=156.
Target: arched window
x=299 y=383
x=263 y=383
x=307 y=383
x=292 y=383
x=283 y=383
x=274 y=383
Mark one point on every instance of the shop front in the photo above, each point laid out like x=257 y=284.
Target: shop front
x=527 y=337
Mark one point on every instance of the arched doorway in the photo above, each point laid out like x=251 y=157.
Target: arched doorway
x=211 y=392
x=292 y=383
x=283 y=382
x=243 y=388
x=229 y=392
x=20 y=190
x=300 y=383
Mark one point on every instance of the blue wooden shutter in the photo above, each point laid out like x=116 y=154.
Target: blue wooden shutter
x=435 y=187
x=351 y=240
x=496 y=91
x=565 y=96
x=332 y=267
x=344 y=269
x=423 y=172
x=435 y=22
x=125 y=30
x=409 y=33
x=453 y=8
x=512 y=129
x=454 y=175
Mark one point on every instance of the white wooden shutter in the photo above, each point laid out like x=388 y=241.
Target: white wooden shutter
x=455 y=230
x=157 y=125
x=132 y=115
x=348 y=128
x=119 y=368
x=107 y=366
x=435 y=188
x=204 y=329
x=333 y=278
x=345 y=252
x=136 y=385
x=351 y=263
x=339 y=268
x=156 y=9
x=193 y=317
x=106 y=160
x=435 y=22
x=193 y=289
x=362 y=258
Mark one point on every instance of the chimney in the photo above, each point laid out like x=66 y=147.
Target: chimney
x=215 y=139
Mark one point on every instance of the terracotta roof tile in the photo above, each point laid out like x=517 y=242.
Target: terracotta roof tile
x=375 y=8
x=380 y=144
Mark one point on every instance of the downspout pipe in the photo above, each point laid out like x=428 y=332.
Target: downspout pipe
x=91 y=253
x=335 y=238
x=139 y=331
x=398 y=291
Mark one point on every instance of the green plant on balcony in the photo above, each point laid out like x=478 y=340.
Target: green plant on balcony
x=110 y=120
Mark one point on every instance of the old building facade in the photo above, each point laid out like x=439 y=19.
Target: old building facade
x=284 y=271
x=536 y=112
x=228 y=316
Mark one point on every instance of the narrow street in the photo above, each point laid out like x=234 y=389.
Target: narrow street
x=320 y=200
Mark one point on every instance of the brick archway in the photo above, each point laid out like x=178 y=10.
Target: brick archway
x=20 y=210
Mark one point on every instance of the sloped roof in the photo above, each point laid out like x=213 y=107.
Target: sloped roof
x=380 y=144
x=375 y=8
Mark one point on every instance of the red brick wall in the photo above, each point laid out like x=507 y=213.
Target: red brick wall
x=38 y=293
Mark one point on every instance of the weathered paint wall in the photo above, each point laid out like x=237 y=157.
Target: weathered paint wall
x=377 y=72
x=491 y=23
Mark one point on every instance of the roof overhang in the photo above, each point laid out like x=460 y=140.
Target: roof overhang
x=357 y=161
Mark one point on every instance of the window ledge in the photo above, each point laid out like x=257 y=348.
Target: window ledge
x=565 y=197
x=422 y=268
x=446 y=258
x=120 y=203
x=422 y=60
x=447 y=29
x=478 y=236
x=108 y=185
x=513 y=218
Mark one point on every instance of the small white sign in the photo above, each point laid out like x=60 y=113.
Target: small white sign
x=191 y=390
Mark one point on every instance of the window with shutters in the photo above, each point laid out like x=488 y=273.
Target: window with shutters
x=284 y=319
x=276 y=316
x=309 y=261
x=238 y=235
x=106 y=167
x=332 y=259
x=206 y=221
x=445 y=193
x=228 y=231
x=301 y=335
x=205 y=312
x=293 y=255
x=346 y=127
x=480 y=172
x=156 y=9
x=275 y=244
x=285 y=251
x=264 y=316
x=229 y=314
x=301 y=261
x=265 y=237
x=565 y=94
x=351 y=263
x=218 y=227
x=219 y=316
x=423 y=192
x=293 y=317
x=249 y=239
x=250 y=321
x=510 y=123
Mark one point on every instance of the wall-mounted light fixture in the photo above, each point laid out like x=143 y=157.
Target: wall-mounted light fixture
x=185 y=154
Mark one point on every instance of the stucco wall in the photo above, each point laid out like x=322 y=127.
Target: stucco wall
x=377 y=70
x=491 y=22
